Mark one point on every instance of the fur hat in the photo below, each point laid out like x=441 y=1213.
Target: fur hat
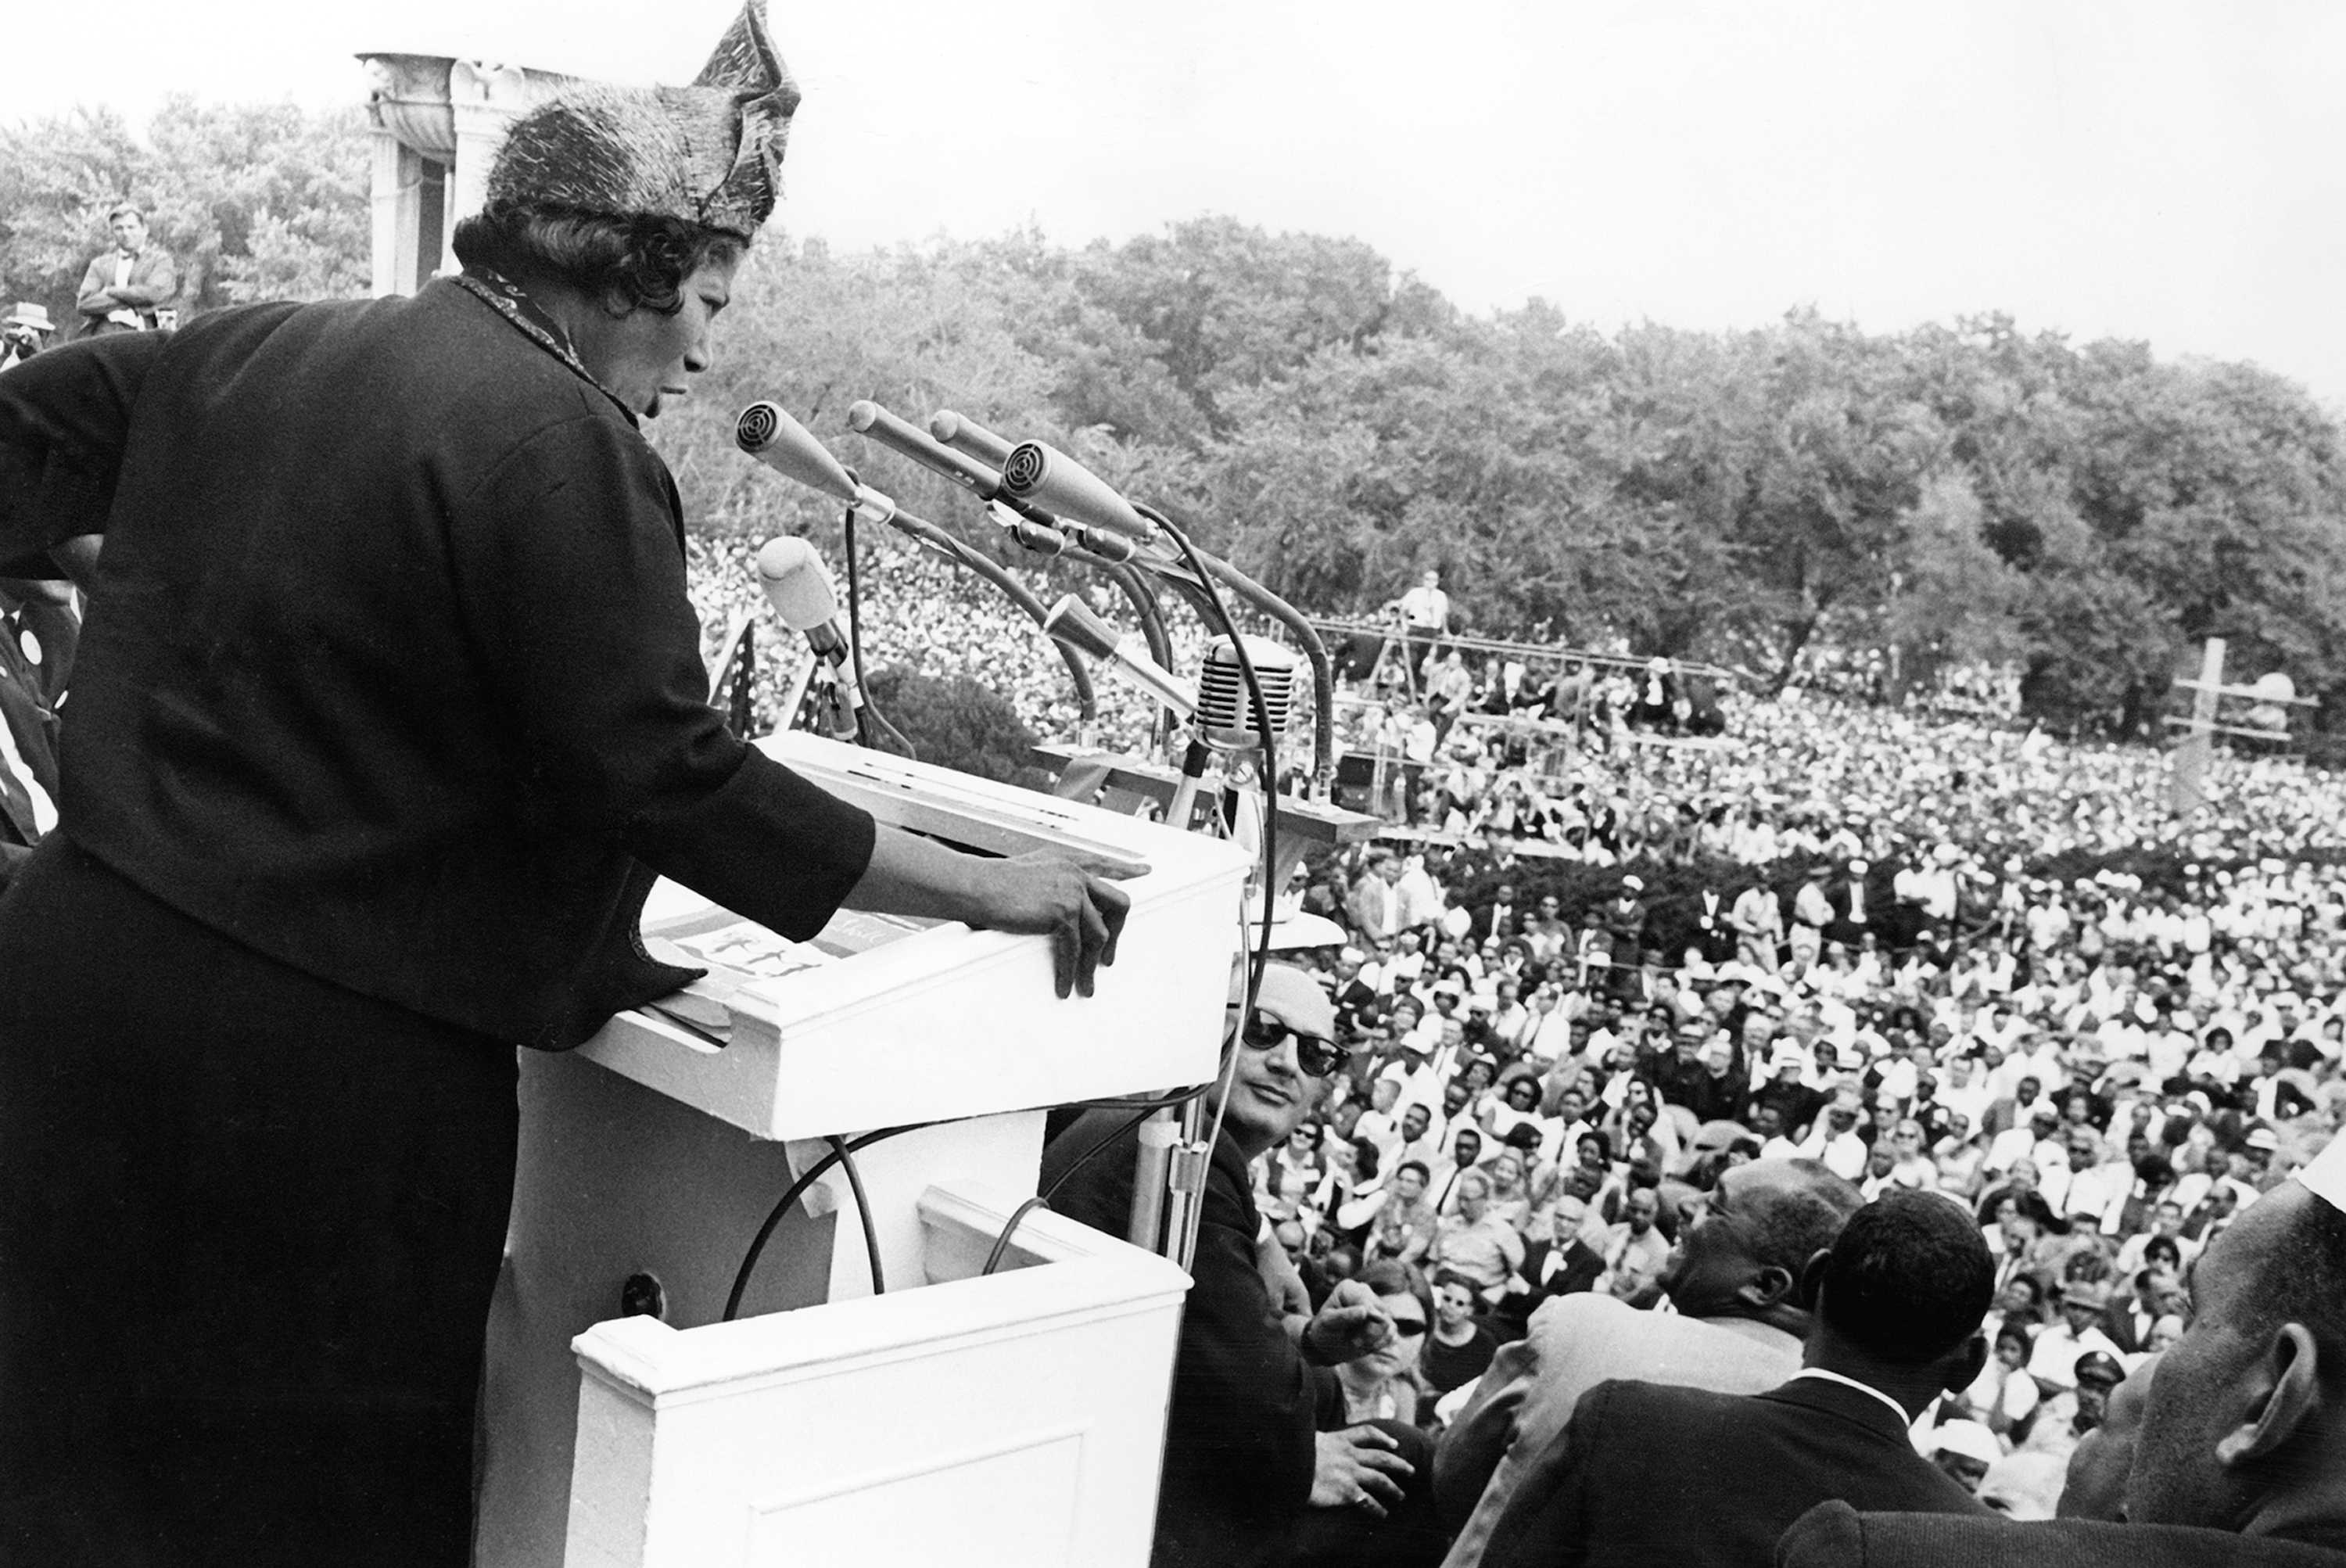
x=709 y=154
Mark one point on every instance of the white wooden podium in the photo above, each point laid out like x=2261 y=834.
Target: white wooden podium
x=825 y=1416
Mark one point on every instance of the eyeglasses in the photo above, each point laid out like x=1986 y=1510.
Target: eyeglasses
x=1409 y=1327
x=1316 y=1055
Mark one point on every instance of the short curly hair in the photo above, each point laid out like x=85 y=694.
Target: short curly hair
x=639 y=260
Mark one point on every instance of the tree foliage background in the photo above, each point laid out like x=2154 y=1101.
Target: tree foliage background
x=1958 y=491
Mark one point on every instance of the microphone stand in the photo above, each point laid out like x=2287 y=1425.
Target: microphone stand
x=943 y=544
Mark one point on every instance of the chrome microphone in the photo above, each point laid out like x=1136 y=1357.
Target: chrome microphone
x=1226 y=713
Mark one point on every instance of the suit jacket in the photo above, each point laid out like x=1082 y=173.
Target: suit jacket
x=1581 y=1266
x=154 y=283
x=1374 y=913
x=1835 y=1535
x=1577 y=1342
x=1490 y=916
x=2117 y=1321
x=1241 y=1437
x=1651 y=1473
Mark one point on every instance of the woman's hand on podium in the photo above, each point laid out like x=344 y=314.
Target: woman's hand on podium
x=1057 y=893
x=1063 y=896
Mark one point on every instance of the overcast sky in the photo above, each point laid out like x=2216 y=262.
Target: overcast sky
x=2148 y=168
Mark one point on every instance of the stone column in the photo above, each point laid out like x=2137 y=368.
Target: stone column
x=484 y=99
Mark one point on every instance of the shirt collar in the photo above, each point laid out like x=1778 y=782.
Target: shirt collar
x=1821 y=1375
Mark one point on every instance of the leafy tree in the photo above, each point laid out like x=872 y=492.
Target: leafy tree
x=958 y=724
x=1962 y=491
x=252 y=202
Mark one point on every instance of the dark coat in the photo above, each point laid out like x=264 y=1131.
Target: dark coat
x=1239 y=1439
x=1647 y=1473
x=391 y=672
x=1835 y=1535
x=1582 y=1266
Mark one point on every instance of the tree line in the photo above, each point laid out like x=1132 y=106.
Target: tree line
x=1963 y=491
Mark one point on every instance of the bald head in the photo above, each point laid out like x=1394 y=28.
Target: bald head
x=2241 y=1430
x=1294 y=998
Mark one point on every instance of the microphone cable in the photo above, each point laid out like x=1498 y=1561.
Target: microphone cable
x=1147 y=1107
x=862 y=1212
x=1261 y=715
x=1261 y=956
x=842 y=1151
x=870 y=724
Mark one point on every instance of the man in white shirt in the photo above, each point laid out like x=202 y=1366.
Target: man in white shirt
x=2053 y=1361
x=129 y=288
x=1636 y=1249
x=1834 y=1139
x=1421 y=898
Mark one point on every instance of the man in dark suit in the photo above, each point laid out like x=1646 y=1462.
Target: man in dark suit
x=1853 y=907
x=1562 y=1264
x=1246 y=1459
x=1735 y=1278
x=1649 y=1473
x=2241 y=1459
x=1499 y=917
x=2128 y=1319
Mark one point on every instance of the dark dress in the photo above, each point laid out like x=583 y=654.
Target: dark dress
x=388 y=707
x=1448 y=1367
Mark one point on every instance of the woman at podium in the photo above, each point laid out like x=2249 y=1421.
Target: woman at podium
x=389 y=711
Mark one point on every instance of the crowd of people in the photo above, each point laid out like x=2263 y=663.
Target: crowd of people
x=1544 y=1109
x=1565 y=770
x=1790 y=775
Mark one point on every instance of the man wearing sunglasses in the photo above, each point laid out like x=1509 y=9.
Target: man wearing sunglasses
x=1245 y=1459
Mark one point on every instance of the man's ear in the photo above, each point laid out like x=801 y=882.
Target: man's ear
x=1771 y=1287
x=1963 y=1365
x=2285 y=1392
x=1812 y=1278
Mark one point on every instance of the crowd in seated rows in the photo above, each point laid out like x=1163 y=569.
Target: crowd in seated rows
x=2104 y=1078
x=1858 y=976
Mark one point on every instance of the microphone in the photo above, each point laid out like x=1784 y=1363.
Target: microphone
x=1052 y=480
x=1226 y=713
x=796 y=585
x=1041 y=538
x=867 y=418
x=966 y=435
x=1073 y=625
x=784 y=445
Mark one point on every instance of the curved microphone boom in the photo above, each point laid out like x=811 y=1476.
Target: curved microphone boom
x=767 y=434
